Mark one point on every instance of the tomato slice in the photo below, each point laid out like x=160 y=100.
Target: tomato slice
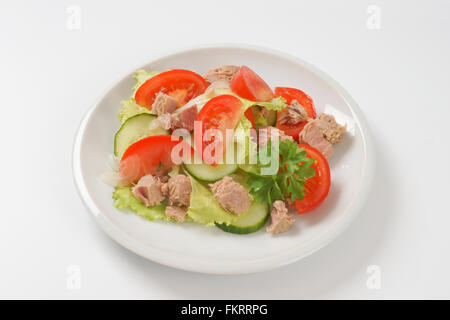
x=292 y=130
x=183 y=85
x=249 y=115
x=221 y=113
x=317 y=187
x=151 y=155
x=248 y=85
x=290 y=94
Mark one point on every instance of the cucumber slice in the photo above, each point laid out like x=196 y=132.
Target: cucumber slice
x=134 y=129
x=209 y=173
x=250 y=221
x=259 y=119
x=251 y=169
x=271 y=117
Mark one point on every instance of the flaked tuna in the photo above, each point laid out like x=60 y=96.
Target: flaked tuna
x=294 y=114
x=179 y=190
x=312 y=135
x=231 y=196
x=332 y=131
x=267 y=133
x=281 y=219
x=321 y=133
x=176 y=213
x=183 y=119
x=221 y=73
x=165 y=121
x=149 y=190
x=164 y=104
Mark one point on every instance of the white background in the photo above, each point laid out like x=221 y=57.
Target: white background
x=399 y=74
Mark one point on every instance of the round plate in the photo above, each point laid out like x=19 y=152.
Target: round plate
x=194 y=247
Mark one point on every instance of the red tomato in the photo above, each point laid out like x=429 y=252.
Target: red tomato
x=222 y=112
x=150 y=155
x=183 y=85
x=294 y=94
x=249 y=115
x=248 y=85
x=317 y=187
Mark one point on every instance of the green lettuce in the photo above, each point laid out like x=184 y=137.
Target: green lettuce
x=129 y=107
x=276 y=104
x=260 y=120
x=141 y=76
x=124 y=198
x=204 y=209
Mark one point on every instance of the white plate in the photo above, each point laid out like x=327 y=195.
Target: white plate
x=195 y=247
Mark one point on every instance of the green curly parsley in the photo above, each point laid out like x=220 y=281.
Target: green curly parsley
x=294 y=168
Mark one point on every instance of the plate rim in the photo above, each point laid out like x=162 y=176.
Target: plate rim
x=252 y=266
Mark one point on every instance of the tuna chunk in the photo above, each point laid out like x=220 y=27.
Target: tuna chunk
x=185 y=118
x=179 y=190
x=221 y=73
x=312 y=135
x=177 y=213
x=267 y=133
x=231 y=195
x=281 y=219
x=165 y=121
x=164 y=104
x=322 y=132
x=219 y=84
x=332 y=131
x=294 y=114
x=149 y=190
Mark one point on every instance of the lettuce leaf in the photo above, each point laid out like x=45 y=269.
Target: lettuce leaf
x=123 y=198
x=276 y=104
x=141 y=76
x=130 y=109
x=204 y=209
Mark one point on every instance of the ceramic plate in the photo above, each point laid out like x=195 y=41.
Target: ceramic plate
x=194 y=247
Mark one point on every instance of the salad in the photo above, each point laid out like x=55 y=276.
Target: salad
x=222 y=149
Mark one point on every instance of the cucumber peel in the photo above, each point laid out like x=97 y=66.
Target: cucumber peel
x=133 y=129
x=251 y=221
x=205 y=172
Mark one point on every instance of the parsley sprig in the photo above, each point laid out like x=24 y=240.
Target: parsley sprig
x=294 y=168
